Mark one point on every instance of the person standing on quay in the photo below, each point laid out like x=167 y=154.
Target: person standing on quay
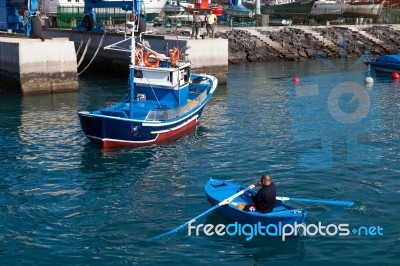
x=211 y=24
x=195 y=24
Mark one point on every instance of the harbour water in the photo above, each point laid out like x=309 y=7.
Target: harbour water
x=64 y=200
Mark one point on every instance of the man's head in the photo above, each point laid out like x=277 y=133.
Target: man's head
x=265 y=180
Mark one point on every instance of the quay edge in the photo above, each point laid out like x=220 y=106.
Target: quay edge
x=37 y=66
x=32 y=66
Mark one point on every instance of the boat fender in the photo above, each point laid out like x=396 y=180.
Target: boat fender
x=174 y=56
x=148 y=63
x=139 y=56
x=88 y=22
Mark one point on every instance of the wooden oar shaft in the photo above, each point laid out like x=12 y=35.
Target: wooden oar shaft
x=224 y=202
x=176 y=229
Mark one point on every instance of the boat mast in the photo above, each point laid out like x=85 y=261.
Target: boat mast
x=136 y=10
x=132 y=73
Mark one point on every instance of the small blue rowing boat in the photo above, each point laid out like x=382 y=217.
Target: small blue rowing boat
x=218 y=190
x=227 y=198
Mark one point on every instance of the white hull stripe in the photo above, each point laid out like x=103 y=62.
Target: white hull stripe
x=175 y=128
x=120 y=140
x=146 y=141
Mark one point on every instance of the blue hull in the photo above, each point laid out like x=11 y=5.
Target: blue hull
x=116 y=132
x=385 y=63
x=390 y=68
x=217 y=191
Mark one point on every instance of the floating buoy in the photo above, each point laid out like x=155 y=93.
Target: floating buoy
x=369 y=80
x=395 y=75
x=296 y=79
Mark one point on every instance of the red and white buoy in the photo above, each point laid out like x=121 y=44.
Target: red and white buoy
x=395 y=75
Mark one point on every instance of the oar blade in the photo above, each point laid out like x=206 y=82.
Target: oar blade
x=331 y=202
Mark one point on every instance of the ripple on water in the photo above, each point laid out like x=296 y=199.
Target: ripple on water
x=65 y=200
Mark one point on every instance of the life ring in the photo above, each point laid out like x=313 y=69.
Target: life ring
x=174 y=56
x=152 y=63
x=139 y=56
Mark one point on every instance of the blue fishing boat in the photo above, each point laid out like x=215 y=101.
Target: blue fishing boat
x=218 y=190
x=385 y=63
x=165 y=100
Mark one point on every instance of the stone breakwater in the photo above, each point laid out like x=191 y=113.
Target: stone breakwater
x=266 y=44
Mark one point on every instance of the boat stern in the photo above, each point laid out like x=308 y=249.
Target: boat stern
x=92 y=126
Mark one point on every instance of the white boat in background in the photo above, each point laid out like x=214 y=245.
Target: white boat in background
x=173 y=7
x=332 y=9
x=237 y=9
x=185 y=17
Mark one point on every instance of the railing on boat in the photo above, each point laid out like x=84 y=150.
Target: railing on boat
x=164 y=114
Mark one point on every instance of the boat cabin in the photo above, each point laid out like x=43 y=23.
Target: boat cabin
x=166 y=85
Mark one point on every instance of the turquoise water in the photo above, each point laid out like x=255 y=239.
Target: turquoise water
x=63 y=200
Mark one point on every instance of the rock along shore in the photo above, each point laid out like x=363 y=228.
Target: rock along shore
x=296 y=43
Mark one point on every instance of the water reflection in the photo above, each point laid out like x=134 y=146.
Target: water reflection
x=331 y=112
x=48 y=126
x=260 y=248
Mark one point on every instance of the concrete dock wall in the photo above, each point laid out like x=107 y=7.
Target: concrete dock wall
x=208 y=56
x=31 y=66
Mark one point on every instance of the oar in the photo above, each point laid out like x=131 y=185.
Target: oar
x=224 y=202
x=333 y=202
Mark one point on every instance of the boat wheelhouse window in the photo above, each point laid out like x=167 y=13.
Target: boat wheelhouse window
x=187 y=75
x=181 y=77
x=184 y=76
x=138 y=74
